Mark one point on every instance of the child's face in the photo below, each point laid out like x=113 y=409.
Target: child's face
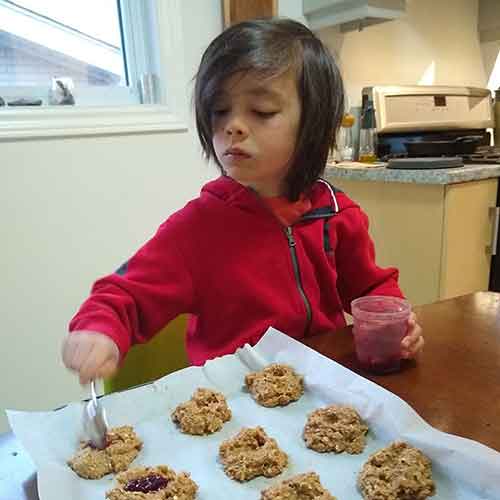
x=255 y=125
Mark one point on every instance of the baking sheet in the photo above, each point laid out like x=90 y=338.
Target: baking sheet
x=462 y=469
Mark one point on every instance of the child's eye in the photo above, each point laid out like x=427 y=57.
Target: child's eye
x=265 y=114
x=219 y=112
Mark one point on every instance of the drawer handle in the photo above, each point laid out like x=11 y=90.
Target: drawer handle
x=495 y=213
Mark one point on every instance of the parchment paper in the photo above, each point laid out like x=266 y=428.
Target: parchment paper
x=463 y=469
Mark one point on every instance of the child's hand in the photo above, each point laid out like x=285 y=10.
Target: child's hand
x=413 y=343
x=91 y=354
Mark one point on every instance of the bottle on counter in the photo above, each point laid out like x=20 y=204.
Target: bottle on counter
x=368 y=135
x=346 y=146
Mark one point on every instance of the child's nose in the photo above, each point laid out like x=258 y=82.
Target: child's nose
x=235 y=126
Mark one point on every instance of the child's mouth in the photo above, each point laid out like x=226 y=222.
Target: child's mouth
x=236 y=154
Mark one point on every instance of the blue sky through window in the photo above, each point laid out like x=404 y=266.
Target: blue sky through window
x=97 y=18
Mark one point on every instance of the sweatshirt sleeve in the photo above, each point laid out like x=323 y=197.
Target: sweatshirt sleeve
x=142 y=296
x=358 y=274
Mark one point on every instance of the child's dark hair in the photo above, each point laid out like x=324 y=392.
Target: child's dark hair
x=270 y=47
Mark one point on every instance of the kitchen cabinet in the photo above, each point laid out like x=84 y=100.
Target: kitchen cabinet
x=439 y=236
x=236 y=11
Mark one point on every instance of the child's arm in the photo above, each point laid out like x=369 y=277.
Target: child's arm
x=131 y=305
x=358 y=274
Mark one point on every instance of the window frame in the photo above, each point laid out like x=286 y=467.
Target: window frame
x=170 y=114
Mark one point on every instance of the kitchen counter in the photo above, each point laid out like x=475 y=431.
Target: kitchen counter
x=436 y=226
x=442 y=176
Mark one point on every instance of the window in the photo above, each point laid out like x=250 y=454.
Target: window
x=111 y=55
x=39 y=40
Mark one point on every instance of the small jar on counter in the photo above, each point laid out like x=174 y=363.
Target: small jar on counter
x=346 y=146
x=368 y=136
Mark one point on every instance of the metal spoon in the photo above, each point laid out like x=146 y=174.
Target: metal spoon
x=95 y=423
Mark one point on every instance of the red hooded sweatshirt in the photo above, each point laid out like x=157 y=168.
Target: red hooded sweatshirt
x=228 y=261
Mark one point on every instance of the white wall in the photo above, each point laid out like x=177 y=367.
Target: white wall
x=436 y=42
x=74 y=209
x=489 y=34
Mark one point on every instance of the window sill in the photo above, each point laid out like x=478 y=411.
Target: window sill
x=86 y=121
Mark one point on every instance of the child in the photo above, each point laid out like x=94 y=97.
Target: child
x=266 y=244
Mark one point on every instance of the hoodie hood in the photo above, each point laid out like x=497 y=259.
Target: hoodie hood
x=326 y=200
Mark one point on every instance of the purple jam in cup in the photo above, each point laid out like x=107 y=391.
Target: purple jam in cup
x=380 y=324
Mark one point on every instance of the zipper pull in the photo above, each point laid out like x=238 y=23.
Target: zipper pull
x=289 y=235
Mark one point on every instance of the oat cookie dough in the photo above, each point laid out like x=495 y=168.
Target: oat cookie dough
x=300 y=487
x=335 y=428
x=275 y=385
x=153 y=483
x=204 y=413
x=252 y=453
x=397 y=472
x=122 y=446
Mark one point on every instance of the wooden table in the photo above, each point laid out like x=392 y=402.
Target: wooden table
x=454 y=385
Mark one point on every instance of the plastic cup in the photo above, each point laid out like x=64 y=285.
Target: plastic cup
x=380 y=324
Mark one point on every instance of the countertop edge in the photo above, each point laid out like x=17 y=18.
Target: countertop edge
x=467 y=173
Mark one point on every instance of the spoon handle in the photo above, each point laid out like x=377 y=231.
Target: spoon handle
x=93 y=392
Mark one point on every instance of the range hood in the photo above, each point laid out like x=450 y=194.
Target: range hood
x=351 y=14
